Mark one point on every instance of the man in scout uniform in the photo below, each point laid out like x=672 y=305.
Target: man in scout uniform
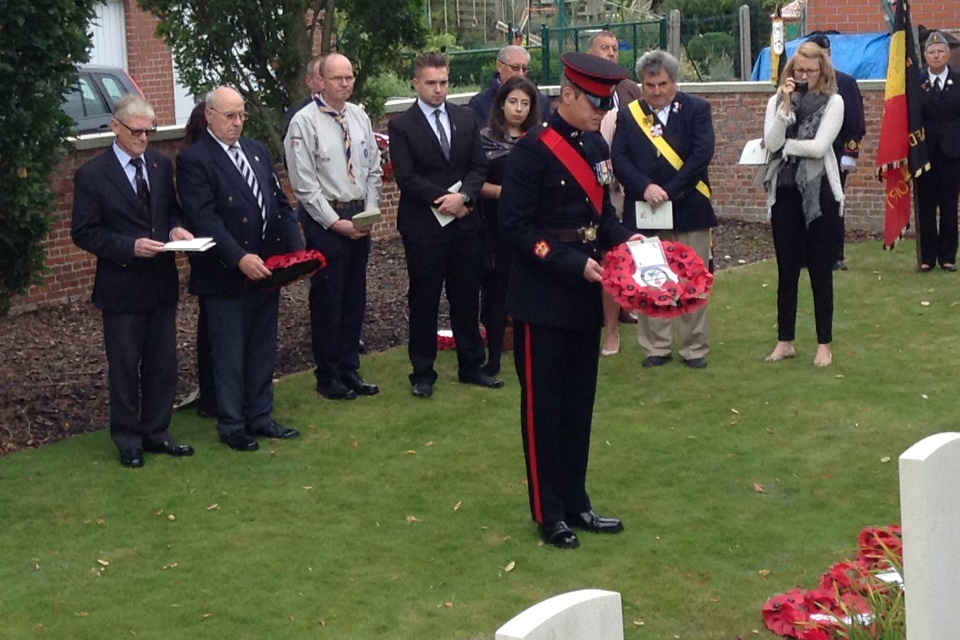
x=663 y=145
x=555 y=211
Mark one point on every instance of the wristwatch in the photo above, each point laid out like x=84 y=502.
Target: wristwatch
x=466 y=198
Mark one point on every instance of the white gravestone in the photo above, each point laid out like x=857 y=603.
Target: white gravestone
x=588 y=614
x=930 y=516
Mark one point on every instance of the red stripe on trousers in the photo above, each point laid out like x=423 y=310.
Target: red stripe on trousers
x=531 y=431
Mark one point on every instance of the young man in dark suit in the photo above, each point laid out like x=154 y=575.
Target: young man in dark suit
x=229 y=192
x=124 y=210
x=439 y=165
x=938 y=188
x=667 y=119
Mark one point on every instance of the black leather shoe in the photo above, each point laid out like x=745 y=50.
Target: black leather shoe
x=696 y=363
x=354 y=382
x=591 y=521
x=481 y=380
x=656 y=361
x=949 y=267
x=839 y=266
x=625 y=317
x=169 y=448
x=132 y=458
x=559 y=535
x=239 y=441
x=422 y=389
x=273 y=430
x=335 y=390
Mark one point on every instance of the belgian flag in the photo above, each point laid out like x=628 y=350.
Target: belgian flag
x=902 y=151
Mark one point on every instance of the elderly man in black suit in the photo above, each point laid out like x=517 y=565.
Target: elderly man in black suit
x=440 y=166
x=938 y=188
x=230 y=192
x=661 y=150
x=512 y=61
x=124 y=210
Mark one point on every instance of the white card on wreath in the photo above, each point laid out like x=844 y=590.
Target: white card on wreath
x=652 y=269
x=659 y=217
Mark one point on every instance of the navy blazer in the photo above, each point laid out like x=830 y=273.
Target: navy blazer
x=423 y=174
x=107 y=221
x=941 y=114
x=547 y=286
x=219 y=204
x=637 y=163
x=854 y=125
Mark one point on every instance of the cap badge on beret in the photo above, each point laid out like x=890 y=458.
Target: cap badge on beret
x=936 y=37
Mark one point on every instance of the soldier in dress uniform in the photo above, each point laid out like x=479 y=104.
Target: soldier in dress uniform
x=555 y=212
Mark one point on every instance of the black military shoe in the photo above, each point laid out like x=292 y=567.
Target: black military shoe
x=591 y=521
x=352 y=380
x=481 y=379
x=335 y=390
x=559 y=535
x=273 y=430
x=132 y=458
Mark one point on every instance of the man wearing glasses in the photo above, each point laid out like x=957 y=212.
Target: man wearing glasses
x=229 y=192
x=513 y=60
x=334 y=167
x=124 y=210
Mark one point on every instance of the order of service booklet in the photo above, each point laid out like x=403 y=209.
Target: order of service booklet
x=366 y=219
x=442 y=218
x=197 y=244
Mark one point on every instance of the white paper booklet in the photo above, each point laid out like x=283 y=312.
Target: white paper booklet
x=197 y=244
x=659 y=217
x=753 y=153
x=442 y=218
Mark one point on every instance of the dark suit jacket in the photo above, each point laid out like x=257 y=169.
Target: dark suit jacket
x=482 y=103
x=941 y=115
x=219 y=204
x=854 y=125
x=108 y=220
x=547 y=286
x=637 y=163
x=423 y=174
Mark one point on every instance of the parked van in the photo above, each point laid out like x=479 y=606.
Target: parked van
x=90 y=104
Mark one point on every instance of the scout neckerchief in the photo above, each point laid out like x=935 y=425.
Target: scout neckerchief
x=342 y=121
x=645 y=122
x=576 y=165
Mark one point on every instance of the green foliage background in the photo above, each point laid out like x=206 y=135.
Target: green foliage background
x=41 y=41
x=262 y=48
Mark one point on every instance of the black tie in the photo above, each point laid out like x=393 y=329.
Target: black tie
x=936 y=86
x=143 y=192
x=444 y=142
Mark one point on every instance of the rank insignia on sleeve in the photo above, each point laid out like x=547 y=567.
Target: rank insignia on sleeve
x=541 y=249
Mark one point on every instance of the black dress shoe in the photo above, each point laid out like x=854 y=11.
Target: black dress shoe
x=132 y=458
x=559 y=535
x=481 y=380
x=169 y=448
x=591 y=521
x=696 y=363
x=625 y=317
x=335 y=390
x=949 y=267
x=273 y=430
x=839 y=266
x=354 y=382
x=239 y=441
x=422 y=389
x=656 y=361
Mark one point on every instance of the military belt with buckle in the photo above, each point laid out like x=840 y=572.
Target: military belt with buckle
x=583 y=234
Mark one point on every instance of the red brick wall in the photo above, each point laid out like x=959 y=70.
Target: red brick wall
x=738 y=116
x=150 y=62
x=860 y=16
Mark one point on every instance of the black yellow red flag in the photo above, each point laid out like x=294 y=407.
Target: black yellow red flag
x=902 y=151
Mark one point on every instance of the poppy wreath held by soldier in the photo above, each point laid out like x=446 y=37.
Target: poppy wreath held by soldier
x=672 y=299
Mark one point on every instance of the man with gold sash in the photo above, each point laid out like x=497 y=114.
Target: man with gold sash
x=661 y=150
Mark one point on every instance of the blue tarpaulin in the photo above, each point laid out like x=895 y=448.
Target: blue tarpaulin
x=862 y=55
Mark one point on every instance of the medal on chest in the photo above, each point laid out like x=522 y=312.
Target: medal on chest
x=604 y=171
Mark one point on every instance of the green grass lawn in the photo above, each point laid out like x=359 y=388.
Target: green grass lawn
x=395 y=518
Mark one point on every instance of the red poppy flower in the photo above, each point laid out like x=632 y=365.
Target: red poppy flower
x=782 y=613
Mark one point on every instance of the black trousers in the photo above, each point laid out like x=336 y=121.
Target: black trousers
x=939 y=189
x=841 y=230
x=142 y=372
x=456 y=263
x=557 y=369
x=493 y=291
x=207 y=402
x=797 y=246
x=338 y=299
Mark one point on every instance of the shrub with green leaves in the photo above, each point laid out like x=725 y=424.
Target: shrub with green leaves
x=41 y=42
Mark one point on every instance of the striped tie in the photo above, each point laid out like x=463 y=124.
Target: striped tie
x=340 y=120
x=251 y=179
x=444 y=142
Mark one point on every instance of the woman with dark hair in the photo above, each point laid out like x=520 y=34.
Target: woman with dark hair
x=515 y=111
x=804 y=192
x=196 y=124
